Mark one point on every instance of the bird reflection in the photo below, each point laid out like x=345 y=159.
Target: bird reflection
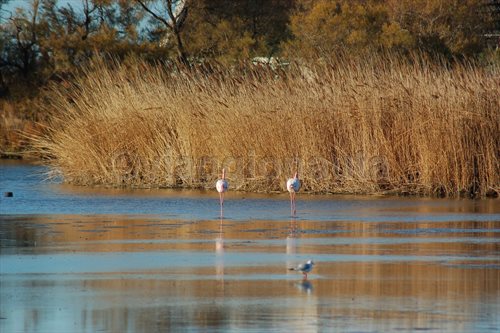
x=305 y=286
x=219 y=252
x=291 y=242
x=219 y=241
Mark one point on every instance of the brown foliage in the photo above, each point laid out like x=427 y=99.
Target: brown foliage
x=381 y=125
x=447 y=27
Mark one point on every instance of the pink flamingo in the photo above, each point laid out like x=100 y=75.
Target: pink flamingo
x=222 y=186
x=293 y=186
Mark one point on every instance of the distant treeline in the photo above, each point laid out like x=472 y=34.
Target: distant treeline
x=47 y=38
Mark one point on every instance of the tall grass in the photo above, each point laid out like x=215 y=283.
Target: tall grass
x=381 y=125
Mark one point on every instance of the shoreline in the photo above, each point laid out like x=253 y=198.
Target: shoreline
x=11 y=155
x=491 y=194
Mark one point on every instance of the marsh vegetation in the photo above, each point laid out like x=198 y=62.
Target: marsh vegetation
x=385 y=124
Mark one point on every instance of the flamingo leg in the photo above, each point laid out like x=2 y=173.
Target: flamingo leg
x=305 y=275
x=221 y=200
x=294 y=208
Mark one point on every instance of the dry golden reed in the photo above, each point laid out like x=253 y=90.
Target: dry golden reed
x=382 y=125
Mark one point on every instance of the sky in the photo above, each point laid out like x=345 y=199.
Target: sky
x=11 y=6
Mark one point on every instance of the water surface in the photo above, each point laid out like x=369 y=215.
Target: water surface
x=78 y=259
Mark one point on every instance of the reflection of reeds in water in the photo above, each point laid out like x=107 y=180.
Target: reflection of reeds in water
x=381 y=125
x=145 y=305
x=456 y=295
x=102 y=233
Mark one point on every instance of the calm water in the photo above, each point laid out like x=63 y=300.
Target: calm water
x=99 y=260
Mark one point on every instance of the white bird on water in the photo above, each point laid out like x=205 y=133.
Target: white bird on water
x=304 y=268
x=293 y=186
x=222 y=185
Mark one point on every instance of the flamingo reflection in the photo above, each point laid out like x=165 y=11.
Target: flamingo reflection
x=291 y=242
x=219 y=252
x=291 y=250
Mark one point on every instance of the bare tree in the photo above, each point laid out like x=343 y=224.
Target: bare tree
x=87 y=12
x=20 y=48
x=171 y=15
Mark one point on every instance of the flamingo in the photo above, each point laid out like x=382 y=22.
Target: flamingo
x=222 y=186
x=293 y=186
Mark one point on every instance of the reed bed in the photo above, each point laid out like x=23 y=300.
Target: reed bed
x=382 y=125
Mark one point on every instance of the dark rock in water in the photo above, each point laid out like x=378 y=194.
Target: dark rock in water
x=8 y=194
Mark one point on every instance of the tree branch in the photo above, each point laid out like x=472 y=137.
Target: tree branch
x=33 y=22
x=156 y=16
x=171 y=14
